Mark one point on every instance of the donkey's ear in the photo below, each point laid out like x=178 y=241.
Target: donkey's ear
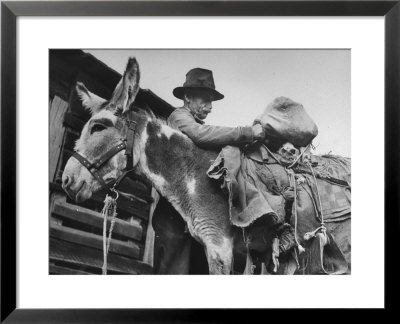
x=127 y=89
x=89 y=100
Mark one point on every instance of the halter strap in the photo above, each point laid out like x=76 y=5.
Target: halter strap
x=127 y=144
x=85 y=162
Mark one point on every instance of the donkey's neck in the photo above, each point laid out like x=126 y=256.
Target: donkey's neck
x=169 y=159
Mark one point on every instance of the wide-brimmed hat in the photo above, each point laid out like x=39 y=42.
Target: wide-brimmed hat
x=198 y=79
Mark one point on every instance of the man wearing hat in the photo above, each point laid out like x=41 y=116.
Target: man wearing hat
x=197 y=94
x=173 y=245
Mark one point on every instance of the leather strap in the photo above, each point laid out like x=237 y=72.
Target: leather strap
x=85 y=162
x=126 y=144
x=108 y=155
x=94 y=166
x=129 y=144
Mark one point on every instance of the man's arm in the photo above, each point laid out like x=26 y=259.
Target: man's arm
x=208 y=136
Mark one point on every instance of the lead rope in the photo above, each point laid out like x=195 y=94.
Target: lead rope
x=109 y=211
x=292 y=177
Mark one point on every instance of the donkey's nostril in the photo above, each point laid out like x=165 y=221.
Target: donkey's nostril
x=66 y=181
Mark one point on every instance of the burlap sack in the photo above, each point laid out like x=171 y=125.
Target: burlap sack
x=287 y=120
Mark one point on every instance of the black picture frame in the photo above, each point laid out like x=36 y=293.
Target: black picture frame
x=11 y=10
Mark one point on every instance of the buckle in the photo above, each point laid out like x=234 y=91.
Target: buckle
x=98 y=164
x=132 y=125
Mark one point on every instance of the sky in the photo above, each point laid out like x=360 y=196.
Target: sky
x=251 y=79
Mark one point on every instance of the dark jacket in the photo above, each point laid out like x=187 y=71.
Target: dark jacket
x=207 y=136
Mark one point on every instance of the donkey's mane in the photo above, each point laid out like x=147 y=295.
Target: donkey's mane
x=144 y=111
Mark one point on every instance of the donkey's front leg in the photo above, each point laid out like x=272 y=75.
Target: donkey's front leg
x=219 y=254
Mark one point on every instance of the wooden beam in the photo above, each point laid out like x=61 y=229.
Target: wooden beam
x=90 y=217
x=59 y=270
x=84 y=256
x=128 y=249
x=58 y=107
x=56 y=197
x=133 y=206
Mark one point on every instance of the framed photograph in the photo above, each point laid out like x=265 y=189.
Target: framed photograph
x=109 y=165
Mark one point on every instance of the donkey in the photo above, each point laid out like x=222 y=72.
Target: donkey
x=169 y=160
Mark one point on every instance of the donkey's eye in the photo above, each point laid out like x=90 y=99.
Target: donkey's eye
x=97 y=128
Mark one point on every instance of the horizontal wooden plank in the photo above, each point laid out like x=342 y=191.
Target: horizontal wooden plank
x=90 y=217
x=135 y=207
x=132 y=206
x=85 y=256
x=128 y=249
x=59 y=270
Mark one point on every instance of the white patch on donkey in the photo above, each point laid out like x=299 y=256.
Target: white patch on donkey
x=219 y=256
x=168 y=131
x=191 y=186
x=158 y=181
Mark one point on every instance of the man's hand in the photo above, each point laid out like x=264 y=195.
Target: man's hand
x=258 y=132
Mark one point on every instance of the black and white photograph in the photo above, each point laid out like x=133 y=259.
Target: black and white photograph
x=147 y=145
x=200 y=161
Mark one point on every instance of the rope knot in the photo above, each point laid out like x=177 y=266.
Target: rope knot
x=109 y=212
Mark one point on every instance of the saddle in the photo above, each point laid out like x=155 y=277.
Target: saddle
x=258 y=187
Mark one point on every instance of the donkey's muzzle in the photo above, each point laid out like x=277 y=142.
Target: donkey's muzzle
x=66 y=181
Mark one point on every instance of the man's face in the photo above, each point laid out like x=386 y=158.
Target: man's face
x=200 y=104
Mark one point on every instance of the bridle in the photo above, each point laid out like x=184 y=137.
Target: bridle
x=125 y=144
